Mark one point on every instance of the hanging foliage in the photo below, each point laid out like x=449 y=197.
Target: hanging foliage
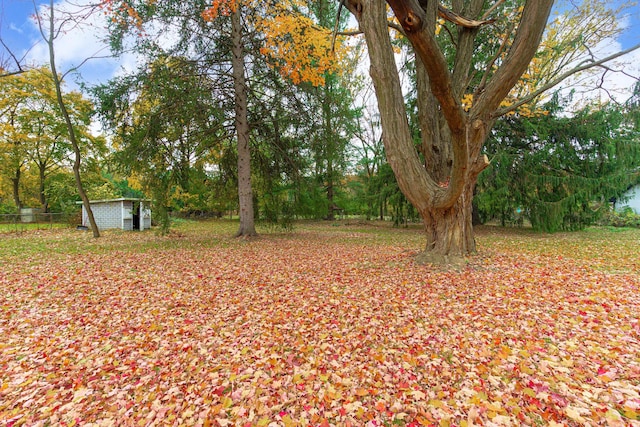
x=556 y=171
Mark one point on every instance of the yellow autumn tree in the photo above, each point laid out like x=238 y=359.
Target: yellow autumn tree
x=567 y=43
x=33 y=136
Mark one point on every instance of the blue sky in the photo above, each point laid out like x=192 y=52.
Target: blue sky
x=631 y=37
x=20 y=34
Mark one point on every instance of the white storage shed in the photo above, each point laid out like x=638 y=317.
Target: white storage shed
x=123 y=213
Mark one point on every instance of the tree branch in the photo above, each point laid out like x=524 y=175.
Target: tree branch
x=524 y=47
x=561 y=78
x=491 y=9
x=4 y=73
x=451 y=16
x=412 y=18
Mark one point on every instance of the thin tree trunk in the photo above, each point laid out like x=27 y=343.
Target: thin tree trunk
x=41 y=193
x=15 y=181
x=245 y=193
x=70 y=129
x=332 y=206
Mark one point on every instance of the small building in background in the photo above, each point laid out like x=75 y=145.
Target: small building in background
x=631 y=199
x=123 y=213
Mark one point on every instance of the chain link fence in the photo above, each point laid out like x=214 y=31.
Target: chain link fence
x=25 y=221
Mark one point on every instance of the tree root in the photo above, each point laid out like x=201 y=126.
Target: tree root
x=443 y=262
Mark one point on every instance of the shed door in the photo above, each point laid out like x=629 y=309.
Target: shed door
x=136 y=215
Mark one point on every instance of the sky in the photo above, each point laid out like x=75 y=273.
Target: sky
x=19 y=32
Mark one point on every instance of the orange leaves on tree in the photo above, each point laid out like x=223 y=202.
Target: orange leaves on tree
x=300 y=49
x=294 y=44
x=122 y=13
x=220 y=8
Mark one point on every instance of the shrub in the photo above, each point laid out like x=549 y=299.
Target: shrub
x=624 y=218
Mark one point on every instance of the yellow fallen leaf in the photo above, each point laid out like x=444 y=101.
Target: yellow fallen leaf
x=437 y=404
x=288 y=422
x=226 y=402
x=574 y=414
x=362 y=392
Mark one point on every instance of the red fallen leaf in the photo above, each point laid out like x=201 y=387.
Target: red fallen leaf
x=559 y=400
x=602 y=370
x=538 y=387
x=403 y=385
x=380 y=406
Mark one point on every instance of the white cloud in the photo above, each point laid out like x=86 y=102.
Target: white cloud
x=82 y=44
x=85 y=44
x=14 y=27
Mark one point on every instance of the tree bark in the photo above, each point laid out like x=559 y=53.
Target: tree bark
x=450 y=230
x=15 y=183
x=245 y=193
x=41 y=193
x=65 y=113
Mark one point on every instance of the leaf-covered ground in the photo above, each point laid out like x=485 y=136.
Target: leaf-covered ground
x=324 y=326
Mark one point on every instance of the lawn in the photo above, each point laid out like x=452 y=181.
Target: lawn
x=331 y=324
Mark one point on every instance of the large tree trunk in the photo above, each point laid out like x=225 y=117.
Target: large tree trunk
x=440 y=185
x=437 y=191
x=449 y=230
x=245 y=193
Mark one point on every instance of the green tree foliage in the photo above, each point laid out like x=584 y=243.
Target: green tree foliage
x=168 y=129
x=558 y=171
x=289 y=139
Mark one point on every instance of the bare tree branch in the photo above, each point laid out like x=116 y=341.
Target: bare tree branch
x=503 y=47
x=585 y=65
x=491 y=9
x=3 y=72
x=451 y=16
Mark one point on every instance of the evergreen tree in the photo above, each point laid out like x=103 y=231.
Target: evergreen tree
x=559 y=171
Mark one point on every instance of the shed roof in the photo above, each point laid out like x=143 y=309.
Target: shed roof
x=120 y=199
